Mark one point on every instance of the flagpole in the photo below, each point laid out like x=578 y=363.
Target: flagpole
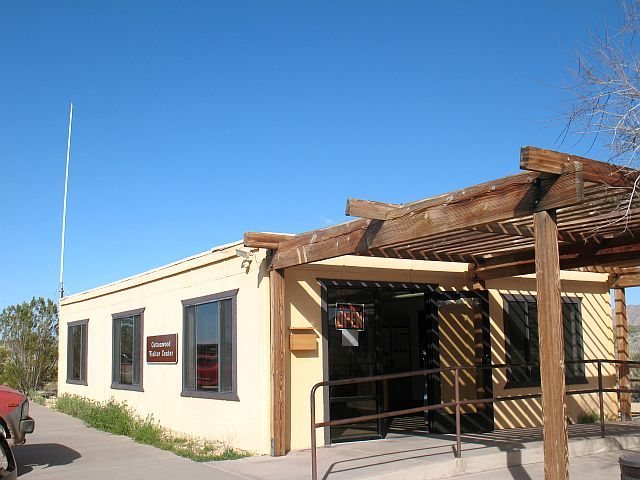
x=64 y=204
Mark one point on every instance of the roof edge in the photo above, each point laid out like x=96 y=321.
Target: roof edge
x=148 y=275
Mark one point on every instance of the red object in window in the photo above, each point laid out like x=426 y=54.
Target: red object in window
x=349 y=316
x=207 y=371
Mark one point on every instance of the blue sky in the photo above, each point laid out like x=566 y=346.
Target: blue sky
x=197 y=121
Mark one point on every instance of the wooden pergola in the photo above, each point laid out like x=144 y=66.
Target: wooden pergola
x=561 y=212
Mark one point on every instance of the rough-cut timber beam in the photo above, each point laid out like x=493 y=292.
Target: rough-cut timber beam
x=603 y=256
x=571 y=250
x=278 y=364
x=549 y=161
x=344 y=239
x=625 y=281
x=622 y=335
x=264 y=239
x=510 y=197
x=369 y=209
x=504 y=199
x=552 y=382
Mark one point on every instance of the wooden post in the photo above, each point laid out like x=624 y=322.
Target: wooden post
x=278 y=364
x=622 y=334
x=556 y=456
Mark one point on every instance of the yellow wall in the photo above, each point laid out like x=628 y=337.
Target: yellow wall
x=457 y=347
x=456 y=330
x=244 y=423
x=598 y=343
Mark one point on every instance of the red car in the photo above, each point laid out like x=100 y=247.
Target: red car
x=15 y=421
x=207 y=371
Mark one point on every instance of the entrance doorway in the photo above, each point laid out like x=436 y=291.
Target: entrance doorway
x=375 y=328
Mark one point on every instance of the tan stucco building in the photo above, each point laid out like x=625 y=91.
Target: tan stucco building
x=347 y=317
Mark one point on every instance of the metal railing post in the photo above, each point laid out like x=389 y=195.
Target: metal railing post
x=314 y=460
x=600 y=398
x=457 y=394
x=457 y=403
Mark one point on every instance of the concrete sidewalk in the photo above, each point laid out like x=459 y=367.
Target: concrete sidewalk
x=63 y=448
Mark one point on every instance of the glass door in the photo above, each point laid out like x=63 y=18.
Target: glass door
x=373 y=329
x=351 y=334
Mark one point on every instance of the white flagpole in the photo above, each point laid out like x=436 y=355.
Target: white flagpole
x=64 y=205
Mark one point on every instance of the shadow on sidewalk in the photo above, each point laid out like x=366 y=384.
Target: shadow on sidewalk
x=43 y=454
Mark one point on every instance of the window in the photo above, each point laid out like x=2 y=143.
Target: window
x=522 y=344
x=77 y=352
x=209 y=346
x=127 y=351
x=573 y=346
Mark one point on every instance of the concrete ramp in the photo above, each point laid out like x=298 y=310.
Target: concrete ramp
x=431 y=457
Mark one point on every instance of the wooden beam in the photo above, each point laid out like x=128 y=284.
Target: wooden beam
x=344 y=239
x=550 y=327
x=548 y=161
x=420 y=254
x=569 y=250
x=265 y=239
x=626 y=281
x=566 y=263
x=622 y=337
x=611 y=270
x=507 y=198
x=517 y=231
x=369 y=209
x=510 y=197
x=278 y=364
x=615 y=251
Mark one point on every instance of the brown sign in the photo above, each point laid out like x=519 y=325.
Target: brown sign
x=162 y=348
x=349 y=316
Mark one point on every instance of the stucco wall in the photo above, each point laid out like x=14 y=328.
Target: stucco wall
x=246 y=423
x=303 y=296
x=458 y=347
x=598 y=343
x=243 y=423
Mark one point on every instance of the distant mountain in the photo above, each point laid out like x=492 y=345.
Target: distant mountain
x=633 y=315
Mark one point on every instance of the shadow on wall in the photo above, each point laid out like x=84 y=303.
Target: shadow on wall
x=597 y=343
x=43 y=455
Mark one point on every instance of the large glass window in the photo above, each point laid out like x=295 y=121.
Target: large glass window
x=77 y=352
x=208 y=346
x=127 y=351
x=522 y=341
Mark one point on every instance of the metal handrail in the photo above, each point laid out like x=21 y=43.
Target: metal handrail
x=457 y=403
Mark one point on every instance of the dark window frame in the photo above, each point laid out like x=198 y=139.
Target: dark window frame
x=84 y=332
x=233 y=394
x=114 y=318
x=535 y=382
